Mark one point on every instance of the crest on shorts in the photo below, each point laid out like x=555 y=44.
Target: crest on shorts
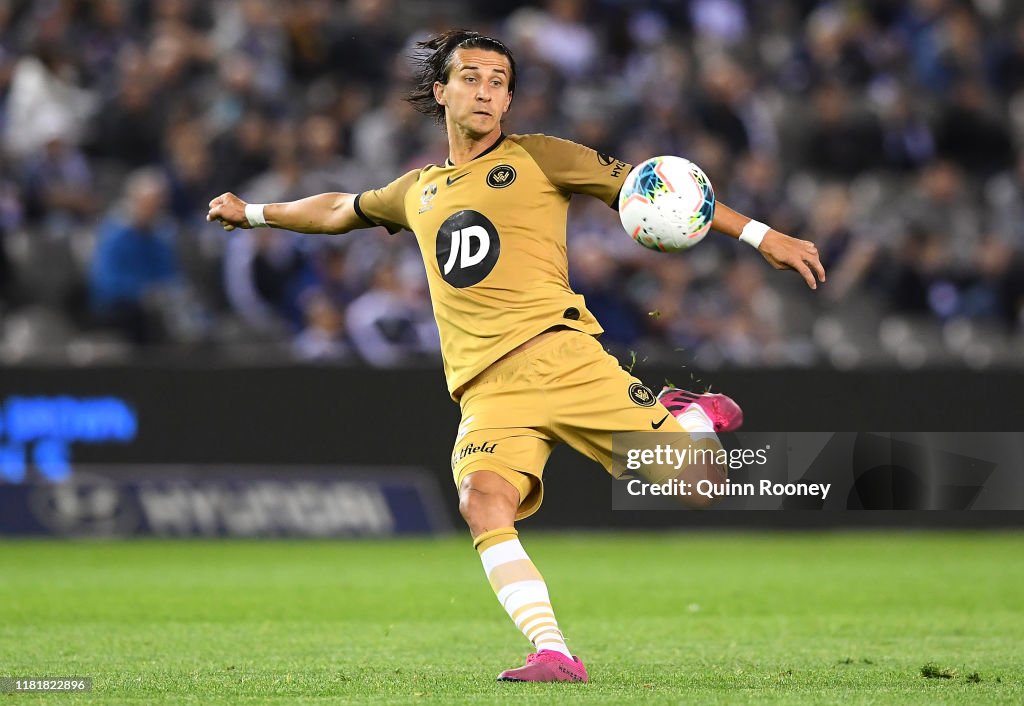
x=501 y=176
x=642 y=395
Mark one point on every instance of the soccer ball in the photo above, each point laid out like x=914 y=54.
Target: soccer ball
x=667 y=204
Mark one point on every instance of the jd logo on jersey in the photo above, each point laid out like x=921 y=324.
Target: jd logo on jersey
x=501 y=176
x=467 y=248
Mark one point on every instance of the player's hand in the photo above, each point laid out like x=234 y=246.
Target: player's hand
x=228 y=210
x=784 y=252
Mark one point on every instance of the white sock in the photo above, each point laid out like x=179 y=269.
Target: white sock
x=695 y=419
x=523 y=594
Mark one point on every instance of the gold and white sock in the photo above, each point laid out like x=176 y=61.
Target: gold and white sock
x=520 y=588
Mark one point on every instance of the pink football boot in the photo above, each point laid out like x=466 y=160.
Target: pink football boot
x=547 y=665
x=724 y=413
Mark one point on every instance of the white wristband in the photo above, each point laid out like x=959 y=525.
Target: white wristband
x=753 y=233
x=254 y=214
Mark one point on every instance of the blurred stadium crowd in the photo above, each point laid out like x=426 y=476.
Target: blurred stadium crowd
x=887 y=131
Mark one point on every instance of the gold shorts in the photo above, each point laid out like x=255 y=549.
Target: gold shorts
x=564 y=389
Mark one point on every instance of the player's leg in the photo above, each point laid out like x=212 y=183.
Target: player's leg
x=489 y=502
x=605 y=413
x=498 y=462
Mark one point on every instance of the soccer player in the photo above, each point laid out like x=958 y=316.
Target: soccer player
x=519 y=347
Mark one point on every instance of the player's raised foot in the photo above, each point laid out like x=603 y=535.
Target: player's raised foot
x=723 y=411
x=547 y=665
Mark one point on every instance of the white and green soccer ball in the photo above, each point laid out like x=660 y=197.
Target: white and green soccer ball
x=667 y=204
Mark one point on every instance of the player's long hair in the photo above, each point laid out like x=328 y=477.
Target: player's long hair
x=433 y=62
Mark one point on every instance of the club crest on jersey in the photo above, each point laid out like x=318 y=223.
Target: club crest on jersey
x=501 y=176
x=427 y=198
x=642 y=395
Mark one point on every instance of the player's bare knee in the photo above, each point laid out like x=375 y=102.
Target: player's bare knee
x=487 y=501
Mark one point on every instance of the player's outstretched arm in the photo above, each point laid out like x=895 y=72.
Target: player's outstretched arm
x=331 y=213
x=783 y=252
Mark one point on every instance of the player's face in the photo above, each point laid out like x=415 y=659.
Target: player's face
x=476 y=95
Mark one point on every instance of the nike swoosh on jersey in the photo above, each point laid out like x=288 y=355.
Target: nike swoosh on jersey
x=452 y=181
x=658 y=425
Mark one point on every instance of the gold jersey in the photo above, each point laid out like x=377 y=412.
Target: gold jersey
x=492 y=234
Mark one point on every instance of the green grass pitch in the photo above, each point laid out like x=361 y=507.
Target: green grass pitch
x=658 y=618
